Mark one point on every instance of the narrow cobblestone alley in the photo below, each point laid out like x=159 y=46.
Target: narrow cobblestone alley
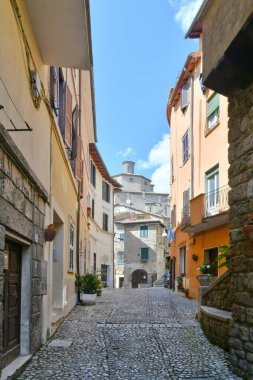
x=131 y=334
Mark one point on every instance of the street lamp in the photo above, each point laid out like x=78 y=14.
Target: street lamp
x=164 y=234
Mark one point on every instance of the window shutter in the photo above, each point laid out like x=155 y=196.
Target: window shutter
x=184 y=97
x=68 y=118
x=213 y=104
x=75 y=134
x=54 y=88
x=81 y=182
x=144 y=253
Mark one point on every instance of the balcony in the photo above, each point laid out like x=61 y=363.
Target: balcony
x=62 y=31
x=206 y=211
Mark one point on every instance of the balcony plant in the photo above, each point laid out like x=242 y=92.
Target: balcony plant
x=88 y=285
x=205 y=278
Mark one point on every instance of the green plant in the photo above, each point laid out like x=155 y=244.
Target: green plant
x=225 y=254
x=205 y=267
x=88 y=283
x=180 y=283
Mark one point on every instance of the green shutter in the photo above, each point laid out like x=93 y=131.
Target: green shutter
x=144 y=253
x=213 y=104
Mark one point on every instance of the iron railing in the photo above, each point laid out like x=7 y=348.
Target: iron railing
x=216 y=201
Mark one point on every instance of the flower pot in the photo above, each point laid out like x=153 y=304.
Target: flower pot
x=50 y=234
x=88 y=298
x=205 y=279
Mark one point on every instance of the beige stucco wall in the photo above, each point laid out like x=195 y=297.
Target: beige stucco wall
x=217 y=34
x=34 y=145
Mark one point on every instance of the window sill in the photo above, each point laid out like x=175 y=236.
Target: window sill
x=208 y=131
x=70 y=271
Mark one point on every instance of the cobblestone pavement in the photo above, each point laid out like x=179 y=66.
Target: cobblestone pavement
x=131 y=334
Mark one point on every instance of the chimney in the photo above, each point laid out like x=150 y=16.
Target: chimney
x=128 y=167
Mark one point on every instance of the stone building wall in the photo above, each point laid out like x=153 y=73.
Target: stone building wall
x=241 y=212
x=216 y=330
x=220 y=294
x=22 y=214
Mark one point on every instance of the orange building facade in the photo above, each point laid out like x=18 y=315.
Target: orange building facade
x=199 y=175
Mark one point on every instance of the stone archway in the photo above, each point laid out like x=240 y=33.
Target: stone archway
x=139 y=276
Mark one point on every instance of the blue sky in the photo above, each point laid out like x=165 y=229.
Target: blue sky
x=138 y=51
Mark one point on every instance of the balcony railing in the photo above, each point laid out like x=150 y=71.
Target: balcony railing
x=216 y=201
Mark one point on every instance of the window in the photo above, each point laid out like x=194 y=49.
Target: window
x=143 y=231
x=105 y=222
x=172 y=169
x=130 y=169
x=93 y=208
x=121 y=236
x=144 y=254
x=212 y=191
x=71 y=247
x=213 y=112
x=92 y=174
x=105 y=192
x=186 y=148
x=94 y=262
x=185 y=96
x=182 y=260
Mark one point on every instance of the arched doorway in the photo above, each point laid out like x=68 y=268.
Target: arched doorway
x=139 y=276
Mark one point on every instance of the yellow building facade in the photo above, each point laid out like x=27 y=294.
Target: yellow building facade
x=199 y=175
x=47 y=121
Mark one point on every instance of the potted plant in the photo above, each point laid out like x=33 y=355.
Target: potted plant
x=50 y=232
x=88 y=285
x=205 y=278
x=180 y=283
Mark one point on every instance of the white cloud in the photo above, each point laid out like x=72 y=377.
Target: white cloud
x=126 y=153
x=159 y=159
x=186 y=10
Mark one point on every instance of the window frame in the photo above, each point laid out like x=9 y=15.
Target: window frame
x=92 y=174
x=71 y=247
x=185 y=149
x=144 y=231
x=105 y=222
x=214 y=112
x=106 y=192
x=144 y=256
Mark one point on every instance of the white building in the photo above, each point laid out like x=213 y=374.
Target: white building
x=137 y=200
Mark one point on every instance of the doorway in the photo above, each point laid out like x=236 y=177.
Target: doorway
x=11 y=302
x=139 y=276
x=211 y=255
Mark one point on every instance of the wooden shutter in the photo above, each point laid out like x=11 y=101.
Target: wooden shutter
x=54 y=88
x=75 y=134
x=184 y=97
x=68 y=118
x=144 y=254
x=213 y=104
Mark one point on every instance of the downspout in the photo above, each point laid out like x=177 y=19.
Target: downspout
x=78 y=194
x=191 y=134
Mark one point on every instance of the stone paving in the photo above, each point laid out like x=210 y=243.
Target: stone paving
x=131 y=334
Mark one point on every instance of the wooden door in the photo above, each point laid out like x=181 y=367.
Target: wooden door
x=11 y=302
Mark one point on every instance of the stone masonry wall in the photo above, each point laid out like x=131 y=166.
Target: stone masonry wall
x=241 y=211
x=220 y=294
x=216 y=330
x=22 y=212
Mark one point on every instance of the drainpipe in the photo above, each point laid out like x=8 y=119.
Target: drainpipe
x=191 y=133
x=78 y=194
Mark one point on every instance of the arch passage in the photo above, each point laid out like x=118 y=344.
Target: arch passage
x=139 y=276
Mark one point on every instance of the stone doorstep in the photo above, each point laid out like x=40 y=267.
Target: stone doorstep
x=15 y=367
x=212 y=312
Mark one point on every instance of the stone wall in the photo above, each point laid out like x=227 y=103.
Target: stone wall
x=241 y=212
x=22 y=214
x=216 y=329
x=220 y=294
